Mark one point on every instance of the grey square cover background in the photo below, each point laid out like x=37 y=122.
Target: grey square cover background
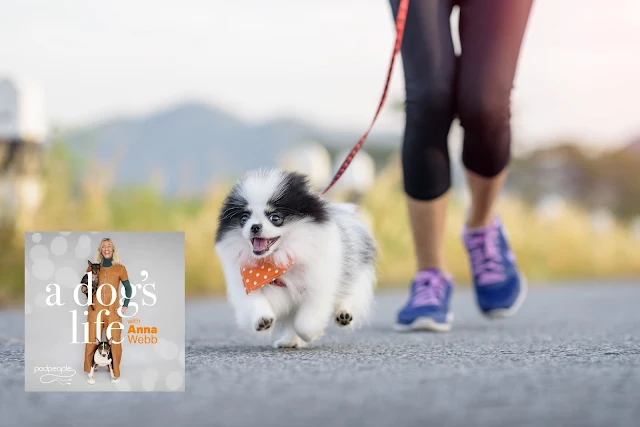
x=61 y=257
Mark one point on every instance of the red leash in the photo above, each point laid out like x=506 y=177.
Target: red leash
x=400 y=24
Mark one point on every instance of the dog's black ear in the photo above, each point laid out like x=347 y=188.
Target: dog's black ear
x=97 y=340
x=89 y=263
x=110 y=341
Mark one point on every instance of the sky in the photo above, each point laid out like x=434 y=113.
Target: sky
x=323 y=61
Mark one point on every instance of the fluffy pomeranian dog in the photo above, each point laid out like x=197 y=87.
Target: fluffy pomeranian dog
x=275 y=216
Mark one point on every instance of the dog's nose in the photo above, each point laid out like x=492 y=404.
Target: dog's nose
x=255 y=228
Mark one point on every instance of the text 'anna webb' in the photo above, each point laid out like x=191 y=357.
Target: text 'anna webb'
x=141 y=334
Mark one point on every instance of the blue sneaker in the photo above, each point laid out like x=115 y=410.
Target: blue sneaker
x=428 y=306
x=499 y=286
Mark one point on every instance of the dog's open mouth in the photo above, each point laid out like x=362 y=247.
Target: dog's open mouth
x=261 y=245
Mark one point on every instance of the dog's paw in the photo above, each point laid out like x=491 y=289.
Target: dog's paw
x=115 y=380
x=264 y=323
x=343 y=318
x=288 y=342
x=310 y=336
x=91 y=380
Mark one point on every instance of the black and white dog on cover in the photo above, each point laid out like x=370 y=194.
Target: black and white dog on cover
x=101 y=357
x=276 y=215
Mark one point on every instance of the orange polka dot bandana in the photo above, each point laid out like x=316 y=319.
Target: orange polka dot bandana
x=263 y=273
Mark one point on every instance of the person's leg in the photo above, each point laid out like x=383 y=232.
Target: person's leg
x=484 y=194
x=427 y=219
x=116 y=335
x=491 y=35
x=429 y=69
x=95 y=332
x=90 y=346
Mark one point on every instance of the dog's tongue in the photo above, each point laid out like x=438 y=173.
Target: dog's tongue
x=259 y=244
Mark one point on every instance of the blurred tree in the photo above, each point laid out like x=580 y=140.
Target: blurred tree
x=610 y=180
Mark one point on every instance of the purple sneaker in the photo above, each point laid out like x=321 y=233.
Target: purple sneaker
x=428 y=305
x=499 y=286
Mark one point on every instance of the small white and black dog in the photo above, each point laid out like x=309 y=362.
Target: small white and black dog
x=101 y=357
x=276 y=215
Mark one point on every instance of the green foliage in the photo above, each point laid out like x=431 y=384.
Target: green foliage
x=564 y=247
x=610 y=179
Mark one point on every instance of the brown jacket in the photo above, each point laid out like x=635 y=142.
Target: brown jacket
x=111 y=298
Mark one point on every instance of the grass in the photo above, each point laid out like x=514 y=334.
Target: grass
x=564 y=247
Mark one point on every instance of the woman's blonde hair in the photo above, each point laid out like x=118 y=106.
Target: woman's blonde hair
x=115 y=258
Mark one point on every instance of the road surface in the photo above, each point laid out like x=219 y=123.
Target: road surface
x=570 y=357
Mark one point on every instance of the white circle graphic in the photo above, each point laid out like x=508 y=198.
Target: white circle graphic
x=83 y=252
x=41 y=300
x=38 y=251
x=84 y=241
x=59 y=246
x=43 y=269
x=174 y=380
x=166 y=349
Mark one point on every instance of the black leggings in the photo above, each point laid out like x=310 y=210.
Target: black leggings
x=475 y=86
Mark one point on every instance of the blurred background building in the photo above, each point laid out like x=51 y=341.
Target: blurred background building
x=23 y=135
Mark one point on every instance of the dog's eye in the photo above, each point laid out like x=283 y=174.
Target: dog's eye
x=276 y=219
x=244 y=218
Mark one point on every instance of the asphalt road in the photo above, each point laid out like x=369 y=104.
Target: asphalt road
x=570 y=357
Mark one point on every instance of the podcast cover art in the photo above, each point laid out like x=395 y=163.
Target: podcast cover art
x=104 y=311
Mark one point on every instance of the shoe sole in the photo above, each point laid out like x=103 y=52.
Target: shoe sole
x=426 y=324
x=501 y=313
